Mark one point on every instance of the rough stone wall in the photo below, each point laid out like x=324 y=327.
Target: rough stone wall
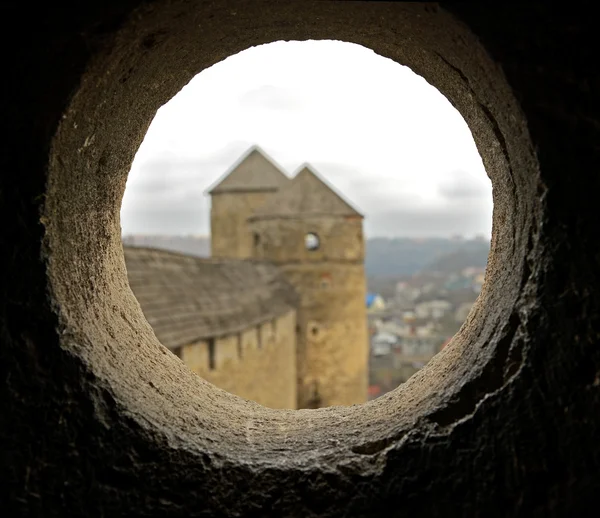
x=281 y=240
x=257 y=364
x=99 y=419
x=332 y=319
x=230 y=236
x=333 y=338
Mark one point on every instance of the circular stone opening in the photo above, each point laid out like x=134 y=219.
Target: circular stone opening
x=102 y=323
x=417 y=232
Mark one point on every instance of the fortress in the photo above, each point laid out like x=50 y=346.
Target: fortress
x=277 y=314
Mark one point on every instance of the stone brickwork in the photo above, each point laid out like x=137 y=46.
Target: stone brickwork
x=249 y=184
x=232 y=322
x=282 y=240
x=333 y=338
x=330 y=280
x=100 y=420
x=258 y=213
x=230 y=236
x=258 y=363
x=217 y=313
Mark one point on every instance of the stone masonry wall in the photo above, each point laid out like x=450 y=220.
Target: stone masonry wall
x=332 y=320
x=333 y=338
x=100 y=420
x=282 y=240
x=257 y=364
x=229 y=212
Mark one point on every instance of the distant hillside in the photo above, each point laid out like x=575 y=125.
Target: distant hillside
x=398 y=257
x=459 y=259
x=386 y=258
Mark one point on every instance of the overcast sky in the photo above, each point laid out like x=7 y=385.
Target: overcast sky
x=386 y=139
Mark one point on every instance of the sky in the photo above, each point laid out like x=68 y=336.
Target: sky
x=386 y=139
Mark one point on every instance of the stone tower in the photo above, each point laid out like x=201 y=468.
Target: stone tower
x=250 y=183
x=316 y=238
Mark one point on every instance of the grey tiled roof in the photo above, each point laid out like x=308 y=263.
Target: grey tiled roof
x=187 y=298
x=254 y=171
x=306 y=195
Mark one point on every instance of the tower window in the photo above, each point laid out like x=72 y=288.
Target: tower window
x=211 y=354
x=256 y=239
x=311 y=241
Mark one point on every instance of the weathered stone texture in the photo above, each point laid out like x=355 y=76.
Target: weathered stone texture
x=333 y=344
x=100 y=420
x=248 y=185
x=282 y=240
x=258 y=364
x=245 y=307
x=230 y=235
x=332 y=341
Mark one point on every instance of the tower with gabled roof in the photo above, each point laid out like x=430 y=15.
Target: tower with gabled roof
x=316 y=238
x=249 y=184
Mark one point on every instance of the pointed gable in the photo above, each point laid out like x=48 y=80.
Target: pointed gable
x=306 y=194
x=254 y=171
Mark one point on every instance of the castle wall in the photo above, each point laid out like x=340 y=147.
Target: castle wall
x=333 y=332
x=282 y=240
x=332 y=320
x=258 y=363
x=230 y=236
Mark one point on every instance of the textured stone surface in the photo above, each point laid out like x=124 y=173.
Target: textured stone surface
x=229 y=214
x=306 y=194
x=331 y=345
x=99 y=420
x=246 y=307
x=333 y=342
x=249 y=184
x=254 y=171
x=258 y=363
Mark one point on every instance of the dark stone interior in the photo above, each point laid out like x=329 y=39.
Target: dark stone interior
x=99 y=420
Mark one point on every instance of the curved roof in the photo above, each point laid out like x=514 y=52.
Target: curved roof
x=186 y=299
x=254 y=171
x=306 y=195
